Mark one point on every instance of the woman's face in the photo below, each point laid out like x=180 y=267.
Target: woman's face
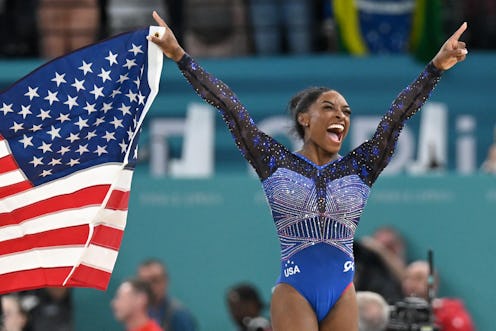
x=327 y=121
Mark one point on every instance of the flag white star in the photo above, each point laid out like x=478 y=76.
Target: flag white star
x=44 y=114
x=100 y=150
x=63 y=150
x=99 y=121
x=6 y=109
x=129 y=64
x=54 y=133
x=137 y=81
x=112 y=58
x=131 y=95
x=36 y=161
x=59 y=79
x=32 y=93
x=73 y=162
x=45 y=173
x=123 y=146
x=90 y=107
x=78 y=84
x=136 y=49
x=45 y=147
x=130 y=133
x=106 y=107
x=36 y=127
x=104 y=75
x=97 y=91
x=82 y=149
x=116 y=122
x=26 y=141
x=63 y=117
x=109 y=136
x=81 y=123
x=124 y=109
x=141 y=98
x=71 y=101
x=86 y=67
x=73 y=137
x=90 y=135
x=17 y=126
x=54 y=162
x=25 y=111
x=122 y=78
x=115 y=92
x=52 y=97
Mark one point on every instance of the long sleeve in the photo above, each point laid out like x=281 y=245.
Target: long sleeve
x=257 y=147
x=373 y=156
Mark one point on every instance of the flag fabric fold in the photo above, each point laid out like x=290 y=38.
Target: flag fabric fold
x=68 y=145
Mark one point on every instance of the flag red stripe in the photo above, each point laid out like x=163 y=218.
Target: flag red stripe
x=118 y=200
x=75 y=235
x=13 y=189
x=85 y=197
x=86 y=276
x=33 y=278
x=107 y=237
x=7 y=163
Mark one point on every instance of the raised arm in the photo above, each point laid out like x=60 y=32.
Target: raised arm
x=377 y=152
x=255 y=146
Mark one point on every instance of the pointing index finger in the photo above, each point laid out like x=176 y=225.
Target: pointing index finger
x=159 y=19
x=458 y=33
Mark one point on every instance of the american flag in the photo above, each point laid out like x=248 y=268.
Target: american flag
x=68 y=144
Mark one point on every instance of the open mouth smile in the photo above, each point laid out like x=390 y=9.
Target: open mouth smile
x=335 y=132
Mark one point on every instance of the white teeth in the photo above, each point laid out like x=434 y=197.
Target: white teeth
x=337 y=126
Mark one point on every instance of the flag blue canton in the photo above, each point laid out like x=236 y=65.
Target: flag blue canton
x=79 y=110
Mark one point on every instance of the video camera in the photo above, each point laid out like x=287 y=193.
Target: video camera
x=411 y=314
x=415 y=314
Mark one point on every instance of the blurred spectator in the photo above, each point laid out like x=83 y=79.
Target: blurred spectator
x=14 y=316
x=245 y=308
x=373 y=312
x=168 y=312
x=18 y=30
x=66 y=25
x=130 y=306
x=175 y=8
x=53 y=311
x=279 y=22
x=489 y=165
x=215 y=28
x=450 y=314
x=390 y=246
x=374 y=275
x=481 y=18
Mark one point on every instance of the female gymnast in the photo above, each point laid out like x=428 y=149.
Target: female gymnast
x=316 y=196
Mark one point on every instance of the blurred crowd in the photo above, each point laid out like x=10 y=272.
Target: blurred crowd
x=385 y=281
x=48 y=28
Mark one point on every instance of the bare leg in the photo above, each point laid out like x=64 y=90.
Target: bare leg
x=344 y=315
x=52 y=21
x=84 y=24
x=290 y=311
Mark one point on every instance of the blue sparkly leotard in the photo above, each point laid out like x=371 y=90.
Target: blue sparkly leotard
x=316 y=209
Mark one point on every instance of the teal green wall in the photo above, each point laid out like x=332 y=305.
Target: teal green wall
x=216 y=232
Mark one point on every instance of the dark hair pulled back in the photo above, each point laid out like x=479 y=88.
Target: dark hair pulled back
x=300 y=103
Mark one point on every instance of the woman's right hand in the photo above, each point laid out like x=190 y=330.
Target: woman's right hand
x=167 y=42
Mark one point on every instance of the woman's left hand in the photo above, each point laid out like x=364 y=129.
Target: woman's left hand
x=452 y=52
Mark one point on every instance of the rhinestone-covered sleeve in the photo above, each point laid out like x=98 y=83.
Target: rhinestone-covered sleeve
x=258 y=148
x=373 y=156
